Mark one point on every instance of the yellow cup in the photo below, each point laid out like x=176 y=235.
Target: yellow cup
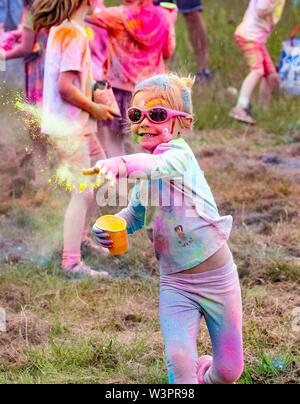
x=116 y=227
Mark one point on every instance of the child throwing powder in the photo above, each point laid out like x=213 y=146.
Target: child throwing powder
x=198 y=277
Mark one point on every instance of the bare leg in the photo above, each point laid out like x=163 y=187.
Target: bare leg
x=88 y=242
x=75 y=218
x=242 y=111
x=198 y=37
x=248 y=87
x=267 y=86
x=93 y=206
x=74 y=226
x=250 y=83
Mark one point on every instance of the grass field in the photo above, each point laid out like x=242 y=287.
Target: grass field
x=62 y=331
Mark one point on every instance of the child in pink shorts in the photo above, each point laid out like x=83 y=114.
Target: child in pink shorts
x=251 y=35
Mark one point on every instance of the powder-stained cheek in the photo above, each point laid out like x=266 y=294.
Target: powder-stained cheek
x=136 y=138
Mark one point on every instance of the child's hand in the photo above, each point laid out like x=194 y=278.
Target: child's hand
x=109 y=176
x=101 y=112
x=107 y=97
x=110 y=168
x=101 y=237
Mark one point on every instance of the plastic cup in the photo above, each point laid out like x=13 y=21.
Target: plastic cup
x=116 y=227
x=168 y=6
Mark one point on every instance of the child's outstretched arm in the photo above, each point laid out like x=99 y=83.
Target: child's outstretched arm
x=135 y=212
x=109 y=18
x=171 y=163
x=24 y=48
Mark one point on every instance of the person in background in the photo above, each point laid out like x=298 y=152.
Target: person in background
x=140 y=38
x=98 y=46
x=69 y=116
x=10 y=14
x=252 y=34
x=192 y=11
x=31 y=48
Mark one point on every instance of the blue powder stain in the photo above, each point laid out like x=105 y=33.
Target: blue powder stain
x=186 y=99
x=171 y=378
x=279 y=364
x=161 y=81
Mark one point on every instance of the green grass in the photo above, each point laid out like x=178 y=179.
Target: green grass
x=108 y=332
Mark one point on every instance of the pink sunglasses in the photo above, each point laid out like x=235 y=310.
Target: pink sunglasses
x=155 y=115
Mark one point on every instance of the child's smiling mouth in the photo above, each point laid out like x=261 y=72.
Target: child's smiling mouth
x=146 y=134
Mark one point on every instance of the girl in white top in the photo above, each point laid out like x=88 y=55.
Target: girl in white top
x=69 y=114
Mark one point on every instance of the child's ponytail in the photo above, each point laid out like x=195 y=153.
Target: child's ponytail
x=187 y=82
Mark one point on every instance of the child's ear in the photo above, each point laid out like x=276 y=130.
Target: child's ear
x=189 y=123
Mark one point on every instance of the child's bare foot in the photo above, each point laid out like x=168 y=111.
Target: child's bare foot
x=242 y=115
x=83 y=270
x=204 y=364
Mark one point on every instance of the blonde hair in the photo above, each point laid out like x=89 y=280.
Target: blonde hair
x=47 y=13
x=176 y=90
